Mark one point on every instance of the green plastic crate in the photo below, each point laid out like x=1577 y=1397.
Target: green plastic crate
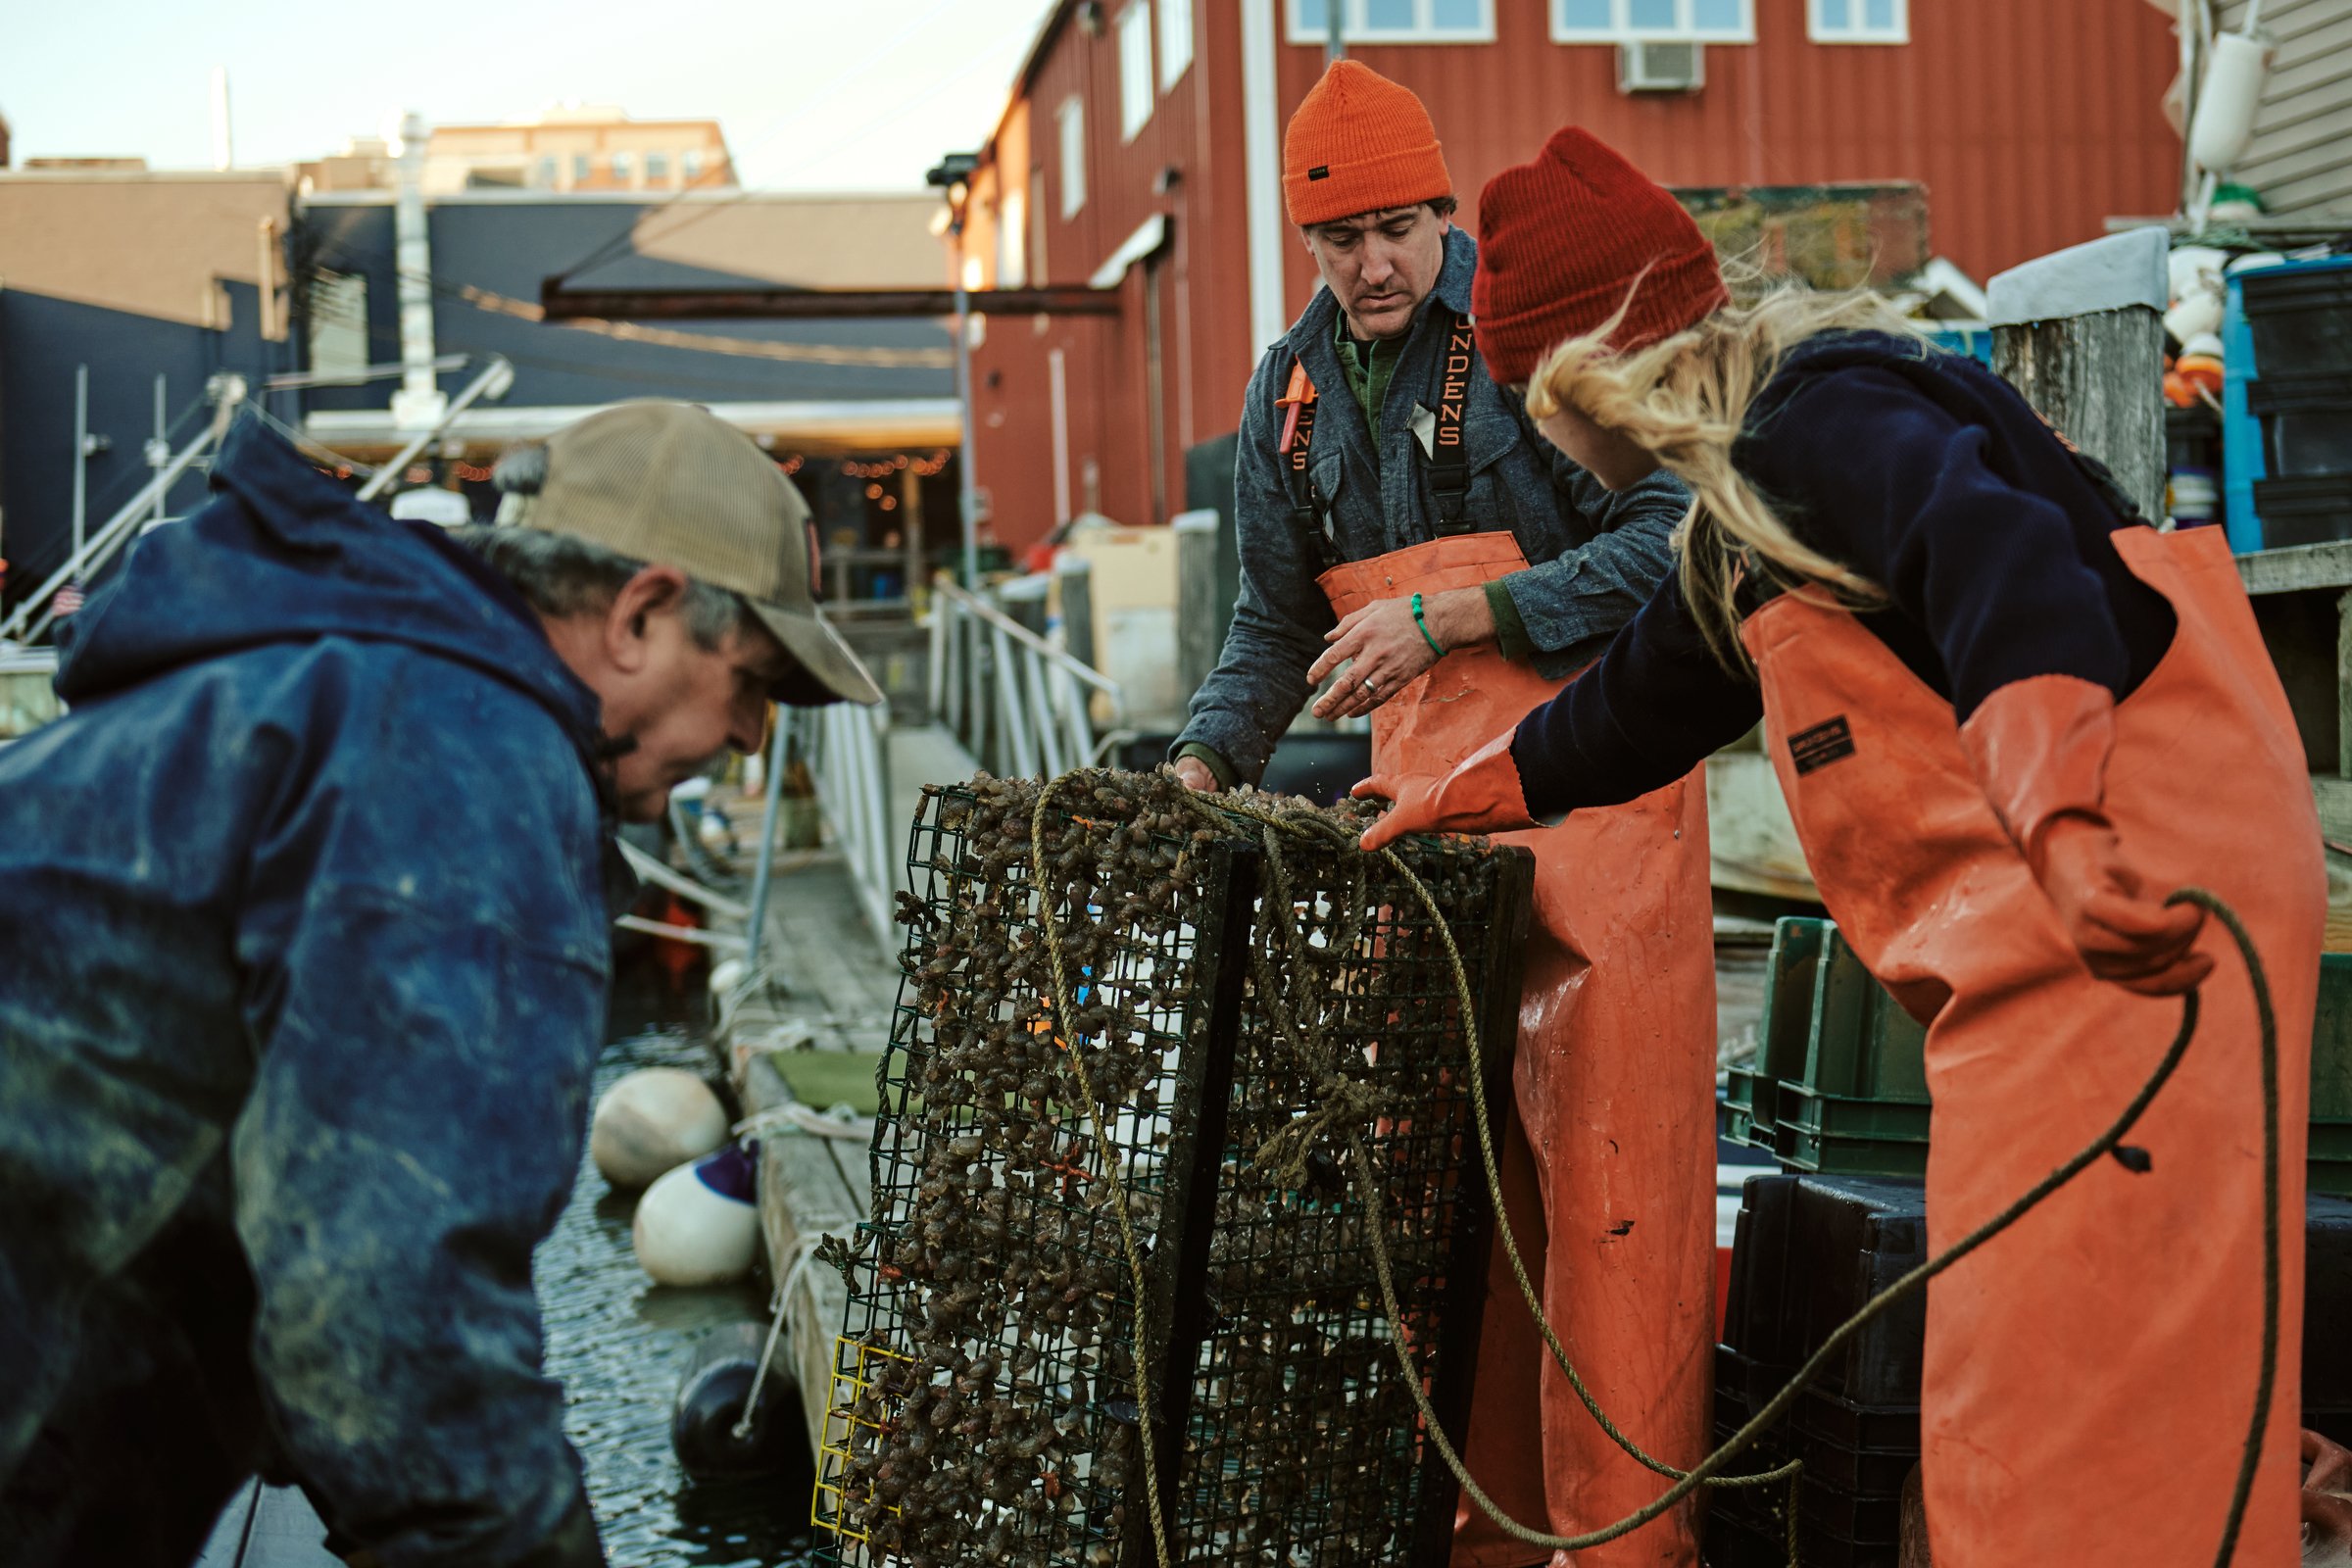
x=1750 y=1094
x=2331 y=1042
x=1844 y=1116
x=2330 y=1161
x=1862 y=1045
x=1828 y=1154
x=2330 y=1167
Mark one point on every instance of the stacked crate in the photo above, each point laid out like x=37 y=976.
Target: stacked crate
x=1839 y=1084
x=2332 y=1079
x=1809 y=1251
x=2287 y=403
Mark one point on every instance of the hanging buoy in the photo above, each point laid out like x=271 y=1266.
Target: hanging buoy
x=706 y=1426
x=2224 y=123
x=726 y=975
x=653 y=1120
x=698 y=1225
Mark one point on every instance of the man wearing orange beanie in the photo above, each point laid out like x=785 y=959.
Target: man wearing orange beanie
x=1404 y=527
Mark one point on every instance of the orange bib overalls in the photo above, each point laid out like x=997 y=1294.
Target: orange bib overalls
x=1609 y=1162
x=2090 y=1374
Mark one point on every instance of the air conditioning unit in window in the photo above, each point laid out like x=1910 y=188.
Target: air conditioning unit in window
x=1661 y=67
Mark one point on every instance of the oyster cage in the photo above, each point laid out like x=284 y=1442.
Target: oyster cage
x=1223 y=975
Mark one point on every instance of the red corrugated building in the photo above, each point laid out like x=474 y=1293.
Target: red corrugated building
x=1141 y=151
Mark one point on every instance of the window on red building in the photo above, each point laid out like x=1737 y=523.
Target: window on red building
x=1858 y=20
x=1175 y=40
x=1071 y=120
x=1135 y=68
x=1643 y=20
x=1396 y=20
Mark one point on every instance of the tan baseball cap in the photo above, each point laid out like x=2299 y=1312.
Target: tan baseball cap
x=675 y=485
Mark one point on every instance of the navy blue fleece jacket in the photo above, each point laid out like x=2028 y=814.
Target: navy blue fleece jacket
x=1930 y=476
x=305 y=923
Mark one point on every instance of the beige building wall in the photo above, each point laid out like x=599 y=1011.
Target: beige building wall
x=813 y=241
x=153 y=244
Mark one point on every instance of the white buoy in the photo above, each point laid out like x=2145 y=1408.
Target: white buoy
x=698 y=1225
x=2194 y=314
x=727 y=974
x=654 y=1120
x=2224 y=123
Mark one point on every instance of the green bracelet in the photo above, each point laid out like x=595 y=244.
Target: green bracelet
x=1424 y=626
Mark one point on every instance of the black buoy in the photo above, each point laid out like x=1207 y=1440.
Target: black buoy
x=704 y=1424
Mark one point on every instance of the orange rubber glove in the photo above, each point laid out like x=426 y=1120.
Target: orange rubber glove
x=2040 y=749
x=1481 y=795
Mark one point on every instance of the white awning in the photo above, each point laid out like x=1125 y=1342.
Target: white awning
x=1150 y=235
x=865 y=424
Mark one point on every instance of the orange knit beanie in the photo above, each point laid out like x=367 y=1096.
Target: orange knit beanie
x=1360 y=143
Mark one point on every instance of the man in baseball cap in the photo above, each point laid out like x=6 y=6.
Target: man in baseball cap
x=662 y=505
x=306 y=912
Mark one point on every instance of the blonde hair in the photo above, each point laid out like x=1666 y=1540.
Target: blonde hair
x=1685 y=400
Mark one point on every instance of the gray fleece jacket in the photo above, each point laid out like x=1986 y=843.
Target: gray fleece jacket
x=1593 y=556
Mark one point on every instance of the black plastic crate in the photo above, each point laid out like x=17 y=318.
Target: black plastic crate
x=2327 y=1305
x=1876 y=1473
x=1756 y=1321
x=1845 y=1424
x=2300 y=317
x=2314 y=509
x=984 y=1408
x=2306 y=423
x=1742 y=1544
x=1807 y=1253
x=1830 y=1513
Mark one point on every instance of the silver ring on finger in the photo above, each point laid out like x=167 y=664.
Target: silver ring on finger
x=1369 y=686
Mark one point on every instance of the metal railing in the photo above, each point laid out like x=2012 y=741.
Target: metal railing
x=1023 y=707
x=848 y=750
x=38 y=610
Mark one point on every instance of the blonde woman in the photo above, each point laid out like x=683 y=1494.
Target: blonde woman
x=2009 y=718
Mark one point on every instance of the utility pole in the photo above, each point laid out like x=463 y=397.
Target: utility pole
x=1334 y=37
x=419 y=404
x=159 y=447
x=952 y=177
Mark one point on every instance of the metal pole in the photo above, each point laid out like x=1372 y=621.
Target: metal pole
x=418 y=403
x=159 y=451
x=769 y=811
x=82 y=451
x=1334 y=41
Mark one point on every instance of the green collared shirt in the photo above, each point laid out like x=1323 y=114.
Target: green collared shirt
x=1368 y=368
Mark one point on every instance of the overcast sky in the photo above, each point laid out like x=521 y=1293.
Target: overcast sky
x=812 y=94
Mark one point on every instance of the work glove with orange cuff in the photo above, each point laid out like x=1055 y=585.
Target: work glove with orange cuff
x=1481 y=795
x=2040 y=749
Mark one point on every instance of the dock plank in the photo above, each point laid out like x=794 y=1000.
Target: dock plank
x=810 y=1187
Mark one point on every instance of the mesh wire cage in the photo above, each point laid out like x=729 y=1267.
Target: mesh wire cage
x=1262 y=1019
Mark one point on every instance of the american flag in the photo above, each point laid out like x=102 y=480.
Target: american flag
x=68 y=599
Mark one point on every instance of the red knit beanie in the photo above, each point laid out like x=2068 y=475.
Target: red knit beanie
x=1360 y=143
x=1560 y=243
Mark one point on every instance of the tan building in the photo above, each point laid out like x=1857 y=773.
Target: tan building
x=580 y=147
x=84 y=230
x=592 y=148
